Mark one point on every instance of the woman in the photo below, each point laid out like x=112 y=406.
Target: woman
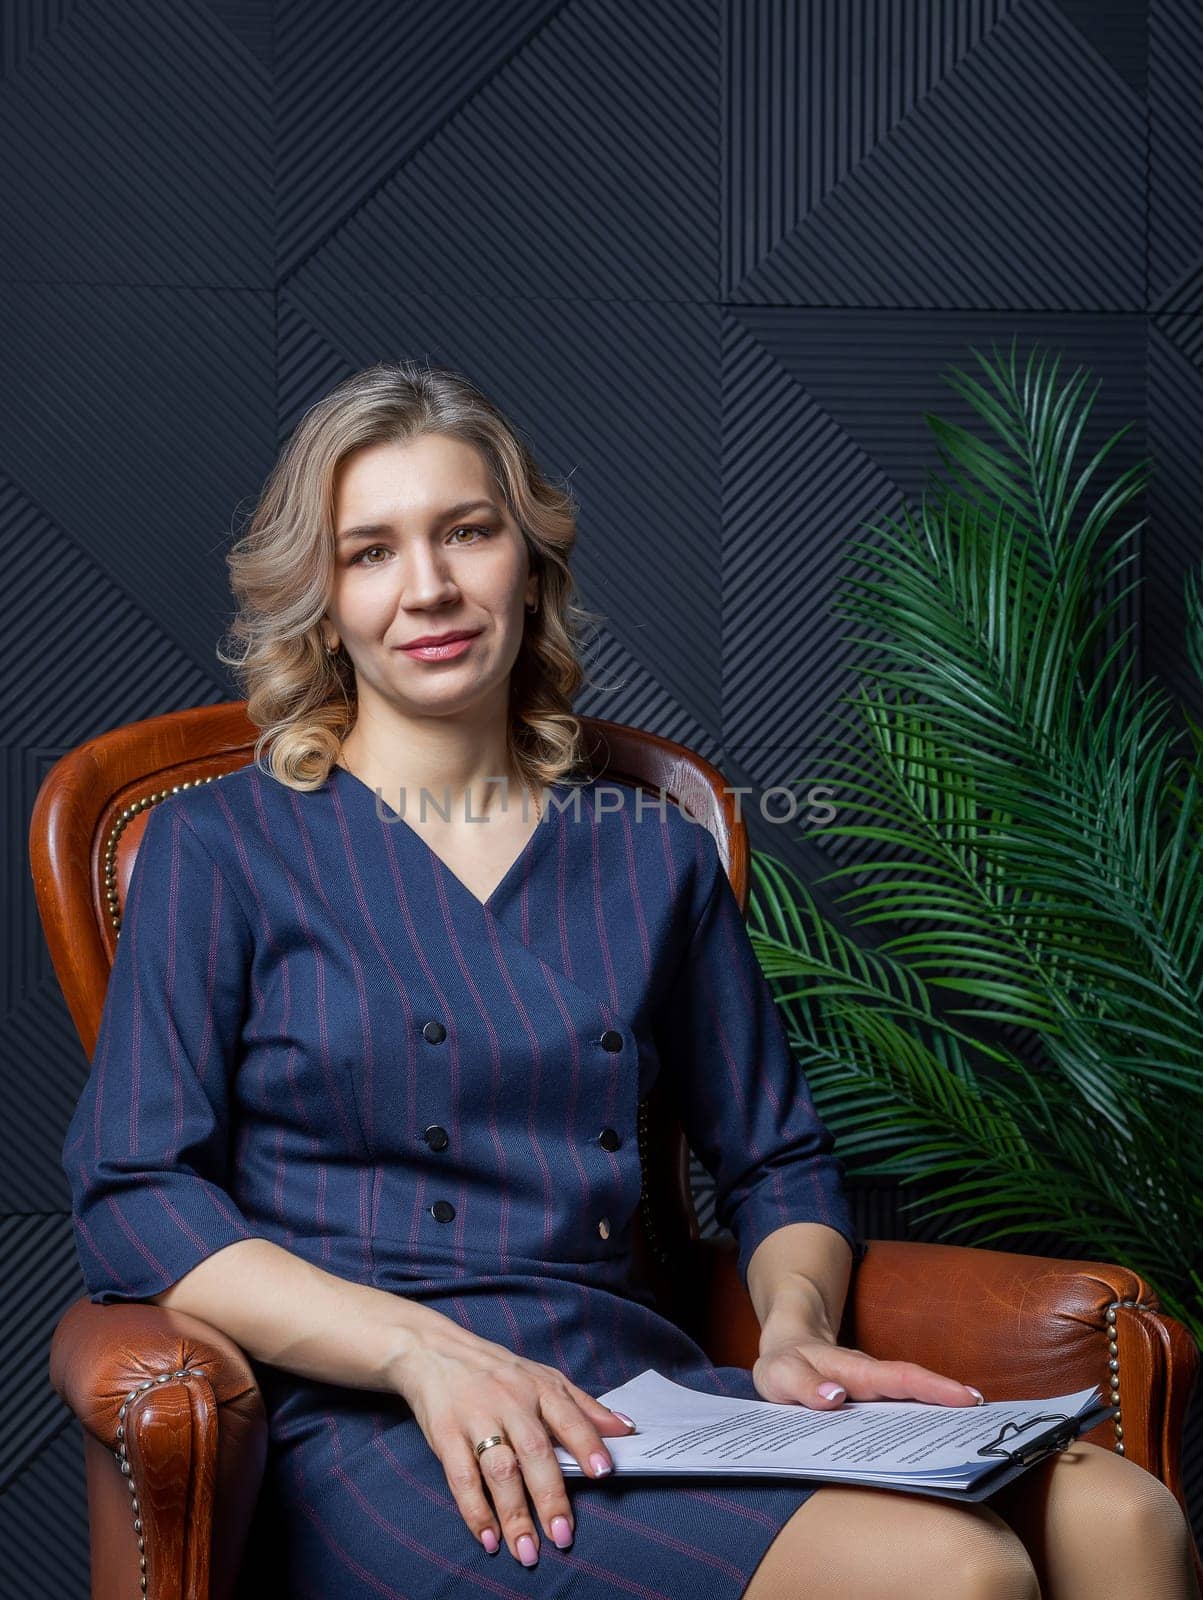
x=365 y=1090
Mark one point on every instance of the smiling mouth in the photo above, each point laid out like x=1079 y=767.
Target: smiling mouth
x=439 y=650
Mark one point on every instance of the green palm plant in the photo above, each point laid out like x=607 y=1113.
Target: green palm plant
x=1034 y=821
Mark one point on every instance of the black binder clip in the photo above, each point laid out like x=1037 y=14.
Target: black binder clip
x=1045 y=1444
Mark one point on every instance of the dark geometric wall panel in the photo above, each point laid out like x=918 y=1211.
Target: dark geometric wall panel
x=956 y=203
x=795 y=485
x=25 y=29
x=361 y=91
x=38 y=1268
x=714 y=257
x=136 y=418
x=43 y=1518
x=537 y=183
x=136 y=148
x=251 y=22
x=1120 y=34
x=810 y=91
x=107 y=654
x=1175 y=232
x=43 y=1493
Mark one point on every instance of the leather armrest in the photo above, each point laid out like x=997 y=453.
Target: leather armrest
x=176 y=1406
x=99 y=1354
x=1011 y=1325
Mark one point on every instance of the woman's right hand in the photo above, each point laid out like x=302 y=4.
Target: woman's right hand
x=462 y=1388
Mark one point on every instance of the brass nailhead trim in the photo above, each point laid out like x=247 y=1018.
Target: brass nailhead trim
x=125 y=816
x=1113 y=1364
x=122 y=1456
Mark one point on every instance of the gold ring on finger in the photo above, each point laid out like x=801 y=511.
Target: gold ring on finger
x=485 y=1444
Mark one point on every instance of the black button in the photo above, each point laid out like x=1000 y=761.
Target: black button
x=611 y=1039
x=436 y=1137
x=434 y=1033
x=609 y=1139
x=443 y=1210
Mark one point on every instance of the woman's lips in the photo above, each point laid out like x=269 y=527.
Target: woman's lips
x=438 y=652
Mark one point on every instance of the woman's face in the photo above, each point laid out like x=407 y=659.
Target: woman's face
x=425 y=545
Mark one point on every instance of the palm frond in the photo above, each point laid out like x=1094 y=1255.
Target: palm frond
x=1035 y=818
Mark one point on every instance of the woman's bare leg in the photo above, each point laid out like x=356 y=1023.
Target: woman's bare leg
x=853 y=1543
x=1095 y=1523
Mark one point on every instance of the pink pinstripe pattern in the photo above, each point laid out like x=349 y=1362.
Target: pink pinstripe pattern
x=281 y=956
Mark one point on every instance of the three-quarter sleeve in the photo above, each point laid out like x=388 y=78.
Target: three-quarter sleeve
x=743 y=1099
x=147 y=1148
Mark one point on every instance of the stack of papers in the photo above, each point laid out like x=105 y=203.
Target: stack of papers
x=956 y=1452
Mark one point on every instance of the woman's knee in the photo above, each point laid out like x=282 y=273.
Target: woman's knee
x=995 y=1563
x=1143 y=1512
x=1091 y=1499
x=874 y=1542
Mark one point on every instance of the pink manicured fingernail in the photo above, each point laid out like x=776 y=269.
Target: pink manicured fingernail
x=598 y=1462
x=527 y=1553
x=622 y=1417
x=981 y=1399
x=831 y=1391
x=561 y=1532
x=490 y=1541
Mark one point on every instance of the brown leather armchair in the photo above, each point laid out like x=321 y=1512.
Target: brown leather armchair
x=175 y=1433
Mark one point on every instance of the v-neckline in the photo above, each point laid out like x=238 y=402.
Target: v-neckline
x=394 y=819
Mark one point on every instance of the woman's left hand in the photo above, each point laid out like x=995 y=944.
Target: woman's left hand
x=795 y=1368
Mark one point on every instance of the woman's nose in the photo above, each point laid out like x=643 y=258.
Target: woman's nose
x=425 y=580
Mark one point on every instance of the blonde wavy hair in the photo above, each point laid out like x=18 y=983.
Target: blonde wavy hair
x=303 y=697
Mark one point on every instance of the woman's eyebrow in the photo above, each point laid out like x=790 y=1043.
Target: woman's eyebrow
x=373 y=530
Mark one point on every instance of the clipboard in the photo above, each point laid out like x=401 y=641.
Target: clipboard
x=1059 y=1435
x=696 y=1435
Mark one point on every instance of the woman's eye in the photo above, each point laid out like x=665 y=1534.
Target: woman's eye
x=470 y=527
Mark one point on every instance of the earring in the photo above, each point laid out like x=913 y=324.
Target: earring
x=332 y=649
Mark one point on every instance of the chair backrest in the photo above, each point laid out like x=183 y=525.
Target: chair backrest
x=88 y=819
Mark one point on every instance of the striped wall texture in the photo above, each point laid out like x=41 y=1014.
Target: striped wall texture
x=713 y=257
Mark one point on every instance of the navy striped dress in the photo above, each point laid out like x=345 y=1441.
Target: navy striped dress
x=316 y=1034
